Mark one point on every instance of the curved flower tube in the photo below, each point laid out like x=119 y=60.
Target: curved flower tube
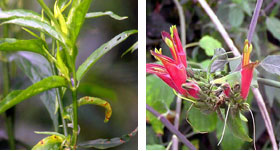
x=173 y=71
x=247 y=70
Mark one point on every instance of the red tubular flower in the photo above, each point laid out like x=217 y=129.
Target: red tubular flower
x=247 y=70
x=173 y=70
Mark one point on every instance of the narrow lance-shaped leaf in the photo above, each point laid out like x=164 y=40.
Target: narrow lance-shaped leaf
x=108 y=143
x=19 y=13
x=94 y=101
x=18 y=96
x=12 y=45
x=38 y=25
x=107 y=13
x=76 y=18
x=49 y=143
x=221 y=60
x=131 y=49
x=102 y=50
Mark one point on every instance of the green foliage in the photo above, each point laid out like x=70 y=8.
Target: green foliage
x=102 y=50
x=108 y=143
x=235 y=125
x=209 y=44
x=155 y=147
x=107 y=13
x=201 y=122
x=53 y=142
x=19 y=13
x=38 y=25
x=230 y=142
x=159 y=96
x=273 y=25
x=271 y=64
x=18 y=96
x=236 y=16
x=12 y=45
x=93 y=101
x=76 y=18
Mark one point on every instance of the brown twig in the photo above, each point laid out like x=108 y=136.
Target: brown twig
x=171 y=128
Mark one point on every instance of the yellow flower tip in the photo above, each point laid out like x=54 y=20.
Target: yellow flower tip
x=172 y=28
x=169 y=42
x=158 y=51
x=246 y=52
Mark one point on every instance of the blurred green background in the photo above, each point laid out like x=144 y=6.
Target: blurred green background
x=112 y=78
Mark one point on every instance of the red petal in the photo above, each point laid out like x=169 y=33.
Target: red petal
x=246 y=79
x=180 y=49
x=161 y=72
x=193 y=89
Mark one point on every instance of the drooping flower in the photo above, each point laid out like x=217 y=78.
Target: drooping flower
x=247 y=70
x=173 y=71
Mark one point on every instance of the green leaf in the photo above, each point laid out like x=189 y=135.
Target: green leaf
x=12 y=45
x=36 y=68
x=38 y=25
x=229 y=142
x=108 y=143
x=51 y=133
x=232 y=79
x=221 y=59
x=201 y=122
x=236 y=16
x=234 y=123
x=102 y=50
x=273 y=26
x=155 y=147
x=209 y=44
x=271 y=64
x=19 y=13
x=16 y=97
x=131 y=49
x=90 y=100
x=76 y=18
x=107 y=13
x=63 y=4
x=247 y=8
x=49 y=143
x=159 y=96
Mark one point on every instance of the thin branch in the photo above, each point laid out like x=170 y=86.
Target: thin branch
x=175 y=140
x=269 y=6
x=182 y=21
x=236 y=53
x=219 y=26
x=171 y=127
x=254 y=20
x=269 y=82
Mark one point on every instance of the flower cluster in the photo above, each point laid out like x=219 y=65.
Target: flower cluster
x=173 y=70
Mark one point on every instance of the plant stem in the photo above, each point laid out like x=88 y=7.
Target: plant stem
x=236 y=53
x=59 y=94
x=269 y=82
x=171 y=127
x=9 y=114
x=75 y=108
x=193 y=44
x=75 y=119
x=254 y=20
x=175 y=141
x=182 y=21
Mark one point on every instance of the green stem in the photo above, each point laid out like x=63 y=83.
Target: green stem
x=193 y=44
x=59 y=95
x=75 y=119
x=75 y=106
x=269 y=82
x=6 y=80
